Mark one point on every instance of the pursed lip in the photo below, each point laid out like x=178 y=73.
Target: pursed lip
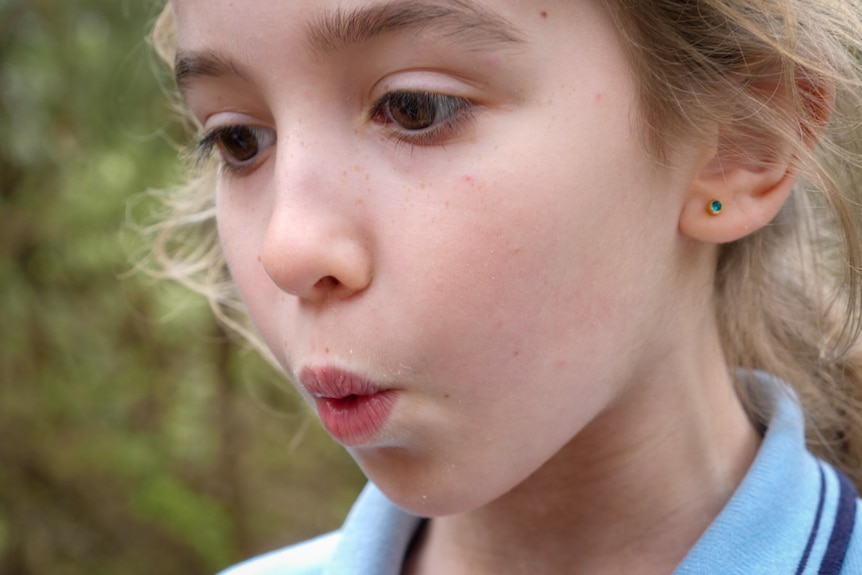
x=353 y=409
x=334 y=383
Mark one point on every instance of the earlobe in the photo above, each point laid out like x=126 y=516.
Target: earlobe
x=729 y=200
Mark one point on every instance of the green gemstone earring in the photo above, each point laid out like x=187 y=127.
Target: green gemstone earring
x=714 y=208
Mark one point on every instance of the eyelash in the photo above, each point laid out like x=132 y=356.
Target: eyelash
x=455 y=111
x=448 y=116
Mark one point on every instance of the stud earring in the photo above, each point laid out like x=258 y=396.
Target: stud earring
x=714 y=208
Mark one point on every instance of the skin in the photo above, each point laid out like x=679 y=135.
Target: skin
x=534 y=285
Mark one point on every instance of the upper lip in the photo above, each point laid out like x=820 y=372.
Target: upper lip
x=334 y=383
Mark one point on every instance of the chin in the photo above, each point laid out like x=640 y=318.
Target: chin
x=425 y=503
x=432 y=496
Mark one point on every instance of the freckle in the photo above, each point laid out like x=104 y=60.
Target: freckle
x=516 y=353
x=367 y=177
x=344 y=173
x=327 y=351
x=446 y=396
x=446 y=205
x=259 y=259
x=360 y=202
x=544 y=14
x=357 y=168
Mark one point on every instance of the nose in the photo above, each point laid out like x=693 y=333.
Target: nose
x=314 y=264
x=316 y=245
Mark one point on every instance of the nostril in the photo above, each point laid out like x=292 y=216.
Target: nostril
x=327 y=283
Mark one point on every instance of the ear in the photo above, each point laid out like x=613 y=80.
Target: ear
x=750 y=178
x=751 y=193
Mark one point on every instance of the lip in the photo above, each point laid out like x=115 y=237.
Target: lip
x=353 y=409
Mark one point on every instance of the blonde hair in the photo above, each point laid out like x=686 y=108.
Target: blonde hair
x=783 y=79
x=184 y=238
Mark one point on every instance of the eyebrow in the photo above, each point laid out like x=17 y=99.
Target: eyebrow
x=188 y=65
x=461 y=21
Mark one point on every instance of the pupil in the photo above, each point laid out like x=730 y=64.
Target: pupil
x=240 y=143
x=412 y=111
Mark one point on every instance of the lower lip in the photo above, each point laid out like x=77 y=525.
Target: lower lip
x=355 y=420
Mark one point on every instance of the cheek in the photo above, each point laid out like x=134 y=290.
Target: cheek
x=542 y=251
x=487 y=273
x=241 y=227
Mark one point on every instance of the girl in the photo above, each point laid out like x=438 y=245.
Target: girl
x=563 y=276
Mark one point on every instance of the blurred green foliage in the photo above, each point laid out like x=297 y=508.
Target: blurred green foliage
x=135 y=436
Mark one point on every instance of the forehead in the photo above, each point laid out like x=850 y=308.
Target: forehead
x=270 y=33
x=326 y=25
x=329 y=24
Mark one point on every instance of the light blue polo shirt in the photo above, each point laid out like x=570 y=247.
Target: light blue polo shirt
x=792 y=514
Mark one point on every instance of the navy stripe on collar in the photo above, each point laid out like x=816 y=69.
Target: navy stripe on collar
x=803 y=563
x=845 y=518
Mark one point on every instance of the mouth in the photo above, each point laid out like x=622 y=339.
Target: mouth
x=353 y=409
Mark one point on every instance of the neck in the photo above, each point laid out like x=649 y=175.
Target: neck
x=631 y=493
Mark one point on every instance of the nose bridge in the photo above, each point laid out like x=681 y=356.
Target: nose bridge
x=315 y=245
x=307 y=145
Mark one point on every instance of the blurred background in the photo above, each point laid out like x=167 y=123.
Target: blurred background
x=135 y=436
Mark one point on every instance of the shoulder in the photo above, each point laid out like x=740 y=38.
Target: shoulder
x=306 y=558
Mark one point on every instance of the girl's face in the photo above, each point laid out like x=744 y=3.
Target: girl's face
x=443 y=222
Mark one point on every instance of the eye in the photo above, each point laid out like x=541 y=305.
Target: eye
x=421 y=117
x=239 y=146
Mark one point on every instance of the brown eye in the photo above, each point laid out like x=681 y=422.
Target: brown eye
x=239 y=146
x=240 y=143
x=419 y=111
x=412 y=110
